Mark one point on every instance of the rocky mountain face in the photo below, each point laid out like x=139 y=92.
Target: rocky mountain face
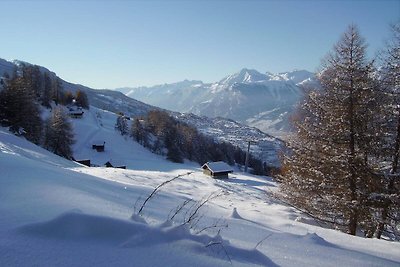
x=261 y=100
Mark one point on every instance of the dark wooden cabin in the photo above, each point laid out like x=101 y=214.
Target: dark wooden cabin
x=217 y=169
x=76 y=114
x=99 y=148
x=108 y=164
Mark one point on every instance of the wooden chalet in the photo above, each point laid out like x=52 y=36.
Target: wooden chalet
x=217 y=169
x=75 y=112
x=110 y=164
x=99 y=148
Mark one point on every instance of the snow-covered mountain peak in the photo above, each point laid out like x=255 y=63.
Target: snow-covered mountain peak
x=244 y=76
x=297 y=76
x=264 y=100
x=251 y=76
x=186 y=83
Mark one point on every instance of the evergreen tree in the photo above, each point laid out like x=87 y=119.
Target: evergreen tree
x=327 y=171
x=59 y=136
x=122 y=125
x=19 y=110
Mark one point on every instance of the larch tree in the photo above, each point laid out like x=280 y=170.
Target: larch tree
x=172 y=141
x=68 y=98
x=19 y=109
x=138 y=132
x=57 y=90
x=389 y=196
x=59 y=135
x=47 y=90
x=33 y=78
x=82 y=99
x=327 y=170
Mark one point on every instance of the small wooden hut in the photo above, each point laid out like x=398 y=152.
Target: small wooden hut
x=217 y=169
x=76 y=114
x=110 y=164
x=99 y=148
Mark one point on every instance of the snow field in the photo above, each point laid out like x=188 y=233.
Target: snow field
x=58 y=213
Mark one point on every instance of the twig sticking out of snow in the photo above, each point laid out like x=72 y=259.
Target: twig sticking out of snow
x=158 y=187
x=262 y=240
x=179 y=208
x=194 y=212
x=215 y=243
x=217 y=224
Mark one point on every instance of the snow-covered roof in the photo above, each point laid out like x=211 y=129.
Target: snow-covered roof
x=218 y=166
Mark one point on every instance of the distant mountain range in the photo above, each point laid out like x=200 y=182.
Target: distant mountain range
x=262 y=100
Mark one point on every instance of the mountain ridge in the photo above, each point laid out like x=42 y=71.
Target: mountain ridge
x=262 y=100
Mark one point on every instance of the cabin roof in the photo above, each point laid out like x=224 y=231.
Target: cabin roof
x=218 y=166
x=116 y=162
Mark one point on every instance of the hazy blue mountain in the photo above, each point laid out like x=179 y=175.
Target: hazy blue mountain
x=263 y=100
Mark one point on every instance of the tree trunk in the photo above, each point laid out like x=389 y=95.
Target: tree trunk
x=381 y=224
x=396 y=155
x=353 y=176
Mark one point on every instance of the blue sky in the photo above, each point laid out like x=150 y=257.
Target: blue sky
x=109 y=44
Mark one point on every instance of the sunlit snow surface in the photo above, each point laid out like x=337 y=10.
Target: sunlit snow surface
x=58 y=213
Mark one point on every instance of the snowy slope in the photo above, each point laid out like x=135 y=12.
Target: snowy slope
x=58 y=213
x=98 y=126
x=261 y=100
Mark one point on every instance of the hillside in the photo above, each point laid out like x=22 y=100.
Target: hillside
x=110 y=100
x=261 y=100
x=61 y=213
x=265 y=147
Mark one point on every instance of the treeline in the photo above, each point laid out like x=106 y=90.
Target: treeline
x=343 y=165
x=25 y=94
x=164 y=135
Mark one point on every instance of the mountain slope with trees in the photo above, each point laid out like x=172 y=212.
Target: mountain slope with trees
x=59 y=91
